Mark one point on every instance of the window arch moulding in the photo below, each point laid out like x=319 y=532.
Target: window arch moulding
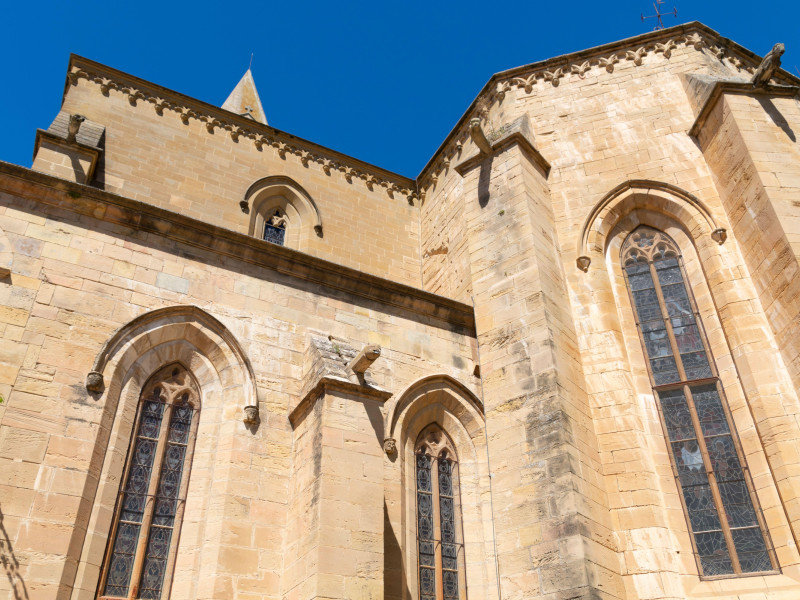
x=464 y=403
x=174 y=322
x=634 y=194
x=281 y=212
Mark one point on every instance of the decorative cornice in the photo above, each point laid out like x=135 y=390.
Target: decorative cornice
x=238 y=127
x=87 y=201
x=559 y=70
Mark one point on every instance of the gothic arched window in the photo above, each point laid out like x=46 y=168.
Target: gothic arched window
x=439 y=537
x=146 y=526
x=726 y=525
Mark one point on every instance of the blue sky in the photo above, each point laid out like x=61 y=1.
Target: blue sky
x=384 y=82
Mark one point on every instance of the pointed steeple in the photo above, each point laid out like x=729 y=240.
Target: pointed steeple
x=244 y=100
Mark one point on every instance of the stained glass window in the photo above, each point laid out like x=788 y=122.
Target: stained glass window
x=275 y=228
x=150 y=504
x=717 y=492
x=439 y=541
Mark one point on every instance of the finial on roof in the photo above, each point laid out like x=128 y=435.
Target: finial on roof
x=244 y=100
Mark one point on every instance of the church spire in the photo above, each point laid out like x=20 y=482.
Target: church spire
x=244 y=100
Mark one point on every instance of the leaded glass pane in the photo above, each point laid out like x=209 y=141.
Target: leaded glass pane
x=709 y=410
x=736 y=501
x=713 y=551
x=155 y=563
x=751 y=550
x=689 y=461
x=724 y=460
x=450 y=584
x=676 y=415
x=425 y=531
x=702 y=511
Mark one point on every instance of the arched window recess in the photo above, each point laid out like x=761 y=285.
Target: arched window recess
x=282 y=212
x=439 y=536
x=725 y=522
x=143 y=541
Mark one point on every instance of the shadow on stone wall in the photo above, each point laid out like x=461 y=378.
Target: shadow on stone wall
x=11 y=564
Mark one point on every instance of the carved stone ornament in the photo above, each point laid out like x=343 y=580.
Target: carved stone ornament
x=251 y=414
x=719 y=235
x=768 y=66
x=94 y=382
x=389 y=446
x=583 y=263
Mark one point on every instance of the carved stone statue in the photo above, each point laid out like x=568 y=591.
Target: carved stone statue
x=74 y=126
x=278 y=221
x=768 y=66
x=389 y=446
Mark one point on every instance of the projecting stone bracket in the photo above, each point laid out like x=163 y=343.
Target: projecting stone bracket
x=71 y=148
x=518 y=132
x=335 y=366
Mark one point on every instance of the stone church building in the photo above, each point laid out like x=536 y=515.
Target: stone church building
x=562 y=363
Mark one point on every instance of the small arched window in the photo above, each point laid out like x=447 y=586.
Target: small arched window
x=726 y=525
x=144 y=534
x=439 y=535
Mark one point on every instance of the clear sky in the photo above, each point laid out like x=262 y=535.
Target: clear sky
x=383 y=81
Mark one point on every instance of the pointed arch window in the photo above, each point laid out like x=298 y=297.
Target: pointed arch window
x=439 y=534
x=727 y=528
x=144 y=535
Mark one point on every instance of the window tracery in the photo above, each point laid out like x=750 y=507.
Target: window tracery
x=146 y=526
x=727 y=529
x=439 y=537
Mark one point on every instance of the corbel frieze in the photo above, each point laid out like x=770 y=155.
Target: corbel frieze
x=240 y=131
x=553 y=73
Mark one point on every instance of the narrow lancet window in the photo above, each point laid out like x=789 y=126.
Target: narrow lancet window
x=717 y=492
x=439 y=537
x=275 y=228
x=147 y=520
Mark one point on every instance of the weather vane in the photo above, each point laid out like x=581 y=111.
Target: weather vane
x=657 y=5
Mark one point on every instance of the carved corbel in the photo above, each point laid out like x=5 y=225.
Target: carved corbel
x=580 y=70
x=719 y=235
x=94 y=382
x=327 y=165
x=666 y=48
x=160 y=104
x=251 y=415
x=636 y=56
x=583 y=263
x=502 y=88
x=525 y=83
x=554 y=76
x=390 y=446
x=478 y=136
x=695 y=41
x=134 y=96
x=186 y=115
x=609 y=62
x=105 y=86
x=259 y=142
x=305 y=157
